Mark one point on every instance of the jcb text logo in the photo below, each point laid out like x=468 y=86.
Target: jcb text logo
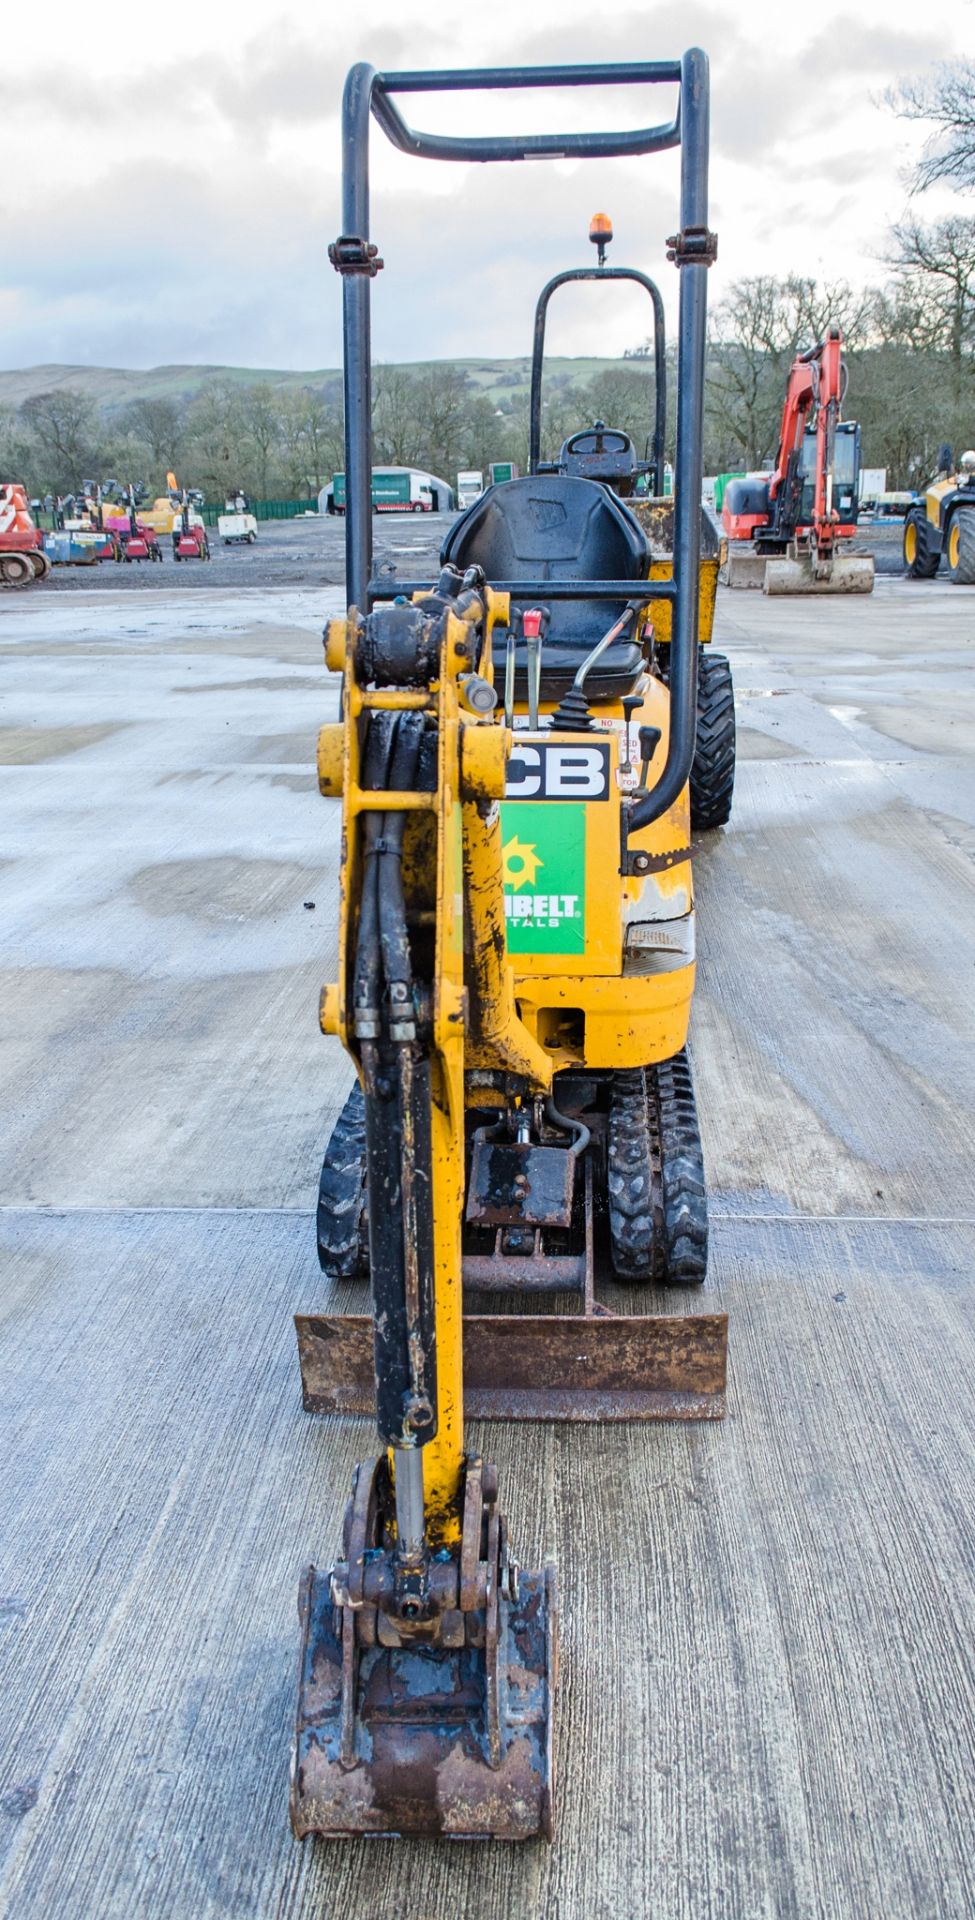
x=559 y=772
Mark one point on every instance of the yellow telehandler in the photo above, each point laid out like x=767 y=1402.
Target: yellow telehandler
x=516 y=964
x=941 y=524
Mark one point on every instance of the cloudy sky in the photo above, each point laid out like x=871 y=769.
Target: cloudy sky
x=172 y=186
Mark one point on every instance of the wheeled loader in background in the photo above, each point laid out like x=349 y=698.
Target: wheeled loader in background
x=942 y=524
x=789 y=531
x=516 y=964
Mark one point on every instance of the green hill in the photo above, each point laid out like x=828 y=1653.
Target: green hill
x=117 y=386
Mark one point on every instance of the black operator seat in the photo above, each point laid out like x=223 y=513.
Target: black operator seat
x=558 y=527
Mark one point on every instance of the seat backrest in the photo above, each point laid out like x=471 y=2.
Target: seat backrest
x=553 y=527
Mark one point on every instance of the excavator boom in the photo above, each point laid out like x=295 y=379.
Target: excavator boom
x=801 y=517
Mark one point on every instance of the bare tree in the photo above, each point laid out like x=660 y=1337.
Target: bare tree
x=756 y=333
x=936 y=265
x=444 y=394
x=396 y=416
x=311 y=440
x=68 y=434
x=260 y=417
x=160 y=422
x=218 y=449
x=947 y=101
x=623 y=398
x=17 y=455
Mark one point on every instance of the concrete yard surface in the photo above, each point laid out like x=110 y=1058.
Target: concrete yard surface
x=767 y=1708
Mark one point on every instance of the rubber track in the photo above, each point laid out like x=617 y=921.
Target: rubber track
x=342 y=1242
x=629 y=1178
x=684 y=1196
x=713 y=769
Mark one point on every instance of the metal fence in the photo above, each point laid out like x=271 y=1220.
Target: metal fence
x=263 y=510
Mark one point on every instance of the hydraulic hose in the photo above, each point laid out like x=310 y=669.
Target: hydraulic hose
x=393 y=935
x=366 y=986
x=581 y=1135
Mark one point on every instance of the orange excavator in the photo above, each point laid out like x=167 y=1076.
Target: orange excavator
x=787 y=529
x=22 y=556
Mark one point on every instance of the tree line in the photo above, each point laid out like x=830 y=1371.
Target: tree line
x=280 y=442
x=910 y=349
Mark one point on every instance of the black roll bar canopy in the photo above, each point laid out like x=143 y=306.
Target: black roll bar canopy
x=692 y=248
x=659 y=362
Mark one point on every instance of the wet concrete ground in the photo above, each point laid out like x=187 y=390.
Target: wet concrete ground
x=768 y=1697
x=310 y=552
x=289 y=554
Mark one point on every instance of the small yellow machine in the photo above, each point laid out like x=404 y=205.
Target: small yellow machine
x=942 y=525
x=516 y=964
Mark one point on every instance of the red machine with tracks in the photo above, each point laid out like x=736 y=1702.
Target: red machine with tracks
x=22 y=557
x=798 y=518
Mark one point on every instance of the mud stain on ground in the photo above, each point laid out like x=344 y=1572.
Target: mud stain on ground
x=296 y=782
x=223 y=889
x=282 y=749
x=946 y=727
x=283 y=683
x=755 y=745
x=31 y=746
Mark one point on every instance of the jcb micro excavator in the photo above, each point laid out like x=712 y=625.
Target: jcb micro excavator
x=516 y=963
x=798 y=518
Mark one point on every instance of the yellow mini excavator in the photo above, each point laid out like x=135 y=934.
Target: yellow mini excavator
x=516 y=964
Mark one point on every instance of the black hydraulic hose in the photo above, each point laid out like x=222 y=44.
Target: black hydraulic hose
x=393 y=935
x=378 y=748
x=578 y=1129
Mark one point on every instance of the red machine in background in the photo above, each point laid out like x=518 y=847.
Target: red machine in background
x=22 y=557
x=133 y=539
x=189 y=536
x=796 y=518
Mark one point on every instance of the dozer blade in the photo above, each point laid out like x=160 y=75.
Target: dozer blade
x=850 y=573
x=541 y=1366
x=743 y=567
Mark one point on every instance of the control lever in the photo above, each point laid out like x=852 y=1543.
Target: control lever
x=649 y=742
x=533 y=622
x=509 y=682
x=630 y=704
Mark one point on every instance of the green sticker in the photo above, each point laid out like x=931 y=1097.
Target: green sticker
x=544 y=877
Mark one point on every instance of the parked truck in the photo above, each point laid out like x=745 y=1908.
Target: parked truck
x=470 y=486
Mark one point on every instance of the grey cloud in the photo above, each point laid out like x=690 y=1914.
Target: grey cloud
x=279 y=77
x=246 y=280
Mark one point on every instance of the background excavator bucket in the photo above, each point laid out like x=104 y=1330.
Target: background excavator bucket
x=849 y=573
x=742 y=567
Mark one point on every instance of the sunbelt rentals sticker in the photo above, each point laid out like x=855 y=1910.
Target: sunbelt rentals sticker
x=544 y=850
